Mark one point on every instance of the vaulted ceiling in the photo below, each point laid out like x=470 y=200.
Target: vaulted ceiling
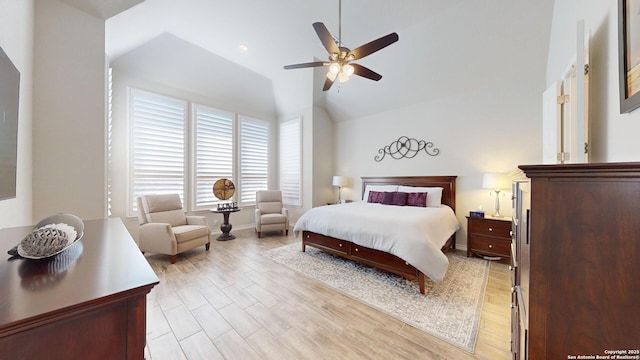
x=444 y=46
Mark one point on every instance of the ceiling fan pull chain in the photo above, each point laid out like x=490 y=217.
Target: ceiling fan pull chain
x=339 y=22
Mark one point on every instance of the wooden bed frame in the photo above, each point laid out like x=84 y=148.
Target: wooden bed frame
x=381 y=259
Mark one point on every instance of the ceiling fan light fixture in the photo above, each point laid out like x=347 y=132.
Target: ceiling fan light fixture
x=334 y=68
x=331 y=76
x=348 y=69
x=343 y=77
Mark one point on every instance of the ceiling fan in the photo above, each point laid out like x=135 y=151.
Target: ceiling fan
x=340 y=57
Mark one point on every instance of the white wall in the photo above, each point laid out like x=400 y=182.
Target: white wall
x=488 y=120
x=16 y=38
x=323 y=158
x=613 y=135
x=69 y=161
x=494 y=130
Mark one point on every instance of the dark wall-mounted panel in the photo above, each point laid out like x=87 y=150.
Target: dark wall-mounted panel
x=9 y=93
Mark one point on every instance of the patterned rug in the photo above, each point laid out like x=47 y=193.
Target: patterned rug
x=450 y=310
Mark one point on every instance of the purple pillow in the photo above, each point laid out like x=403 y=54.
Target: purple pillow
x=388 y=198
x=399 y=198
x=375 y=196
x=417 y=199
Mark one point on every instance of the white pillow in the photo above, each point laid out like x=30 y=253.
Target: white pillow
x=382 y=188
x=434 y=194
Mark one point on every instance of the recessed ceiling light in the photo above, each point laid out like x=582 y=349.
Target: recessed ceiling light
x=244 y=48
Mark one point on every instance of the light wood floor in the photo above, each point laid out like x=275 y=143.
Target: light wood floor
x=232 y=303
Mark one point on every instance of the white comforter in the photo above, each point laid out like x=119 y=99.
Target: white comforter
x=414 y=234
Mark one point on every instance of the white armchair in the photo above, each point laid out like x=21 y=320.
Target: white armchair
x=165 y=229
x=270 y=215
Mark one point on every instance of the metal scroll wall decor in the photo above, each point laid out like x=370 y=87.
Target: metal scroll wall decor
x=406 y=147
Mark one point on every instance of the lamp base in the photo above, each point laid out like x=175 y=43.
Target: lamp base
x=497 y=213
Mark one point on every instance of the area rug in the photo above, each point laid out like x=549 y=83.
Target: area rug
x=450 y=309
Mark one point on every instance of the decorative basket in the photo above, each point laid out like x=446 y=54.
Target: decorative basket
x=50 y=236
x=42 y=243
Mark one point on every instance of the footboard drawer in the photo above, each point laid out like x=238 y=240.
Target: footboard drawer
x=382 y=260
x=326 y=243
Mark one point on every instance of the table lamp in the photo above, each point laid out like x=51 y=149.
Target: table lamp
x=496 y=182
x=339 y=181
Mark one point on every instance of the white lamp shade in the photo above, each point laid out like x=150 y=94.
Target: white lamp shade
x=339 y=181
x=496 y=181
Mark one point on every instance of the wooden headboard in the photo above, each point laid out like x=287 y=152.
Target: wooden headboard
x=447 y=183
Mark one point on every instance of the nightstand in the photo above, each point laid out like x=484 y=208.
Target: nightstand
x=489 y=236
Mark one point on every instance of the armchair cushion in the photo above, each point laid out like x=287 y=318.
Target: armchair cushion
x=164 y=209
x=189 y=232
x=269 y=201
x=267 y=219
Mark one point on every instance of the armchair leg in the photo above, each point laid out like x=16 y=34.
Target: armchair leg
x=173 y=258
x=258 y=234
x=286 y=232
x=207 y=246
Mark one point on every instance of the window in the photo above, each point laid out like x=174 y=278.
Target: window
x=254 y=159
x=170 y=155
x=213 y=152
x=157 y=146
x=290 y=165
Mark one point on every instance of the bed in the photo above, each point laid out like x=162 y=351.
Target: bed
x=392 y=242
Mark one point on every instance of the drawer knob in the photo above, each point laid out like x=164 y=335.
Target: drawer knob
x=356 y=249
x=490 y=229
x=490 y=246
x=510 y=268
x=340 y=245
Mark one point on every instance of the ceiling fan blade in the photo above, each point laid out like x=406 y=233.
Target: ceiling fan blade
x=326 y=38
x=306 y=65
x=373 y=46
x=366 y=72
x=327 y=84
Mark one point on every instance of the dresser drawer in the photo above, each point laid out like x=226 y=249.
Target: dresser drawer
x=489 y=246
x=489 y=227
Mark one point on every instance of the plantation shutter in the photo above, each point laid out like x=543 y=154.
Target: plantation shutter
x=254 y=159
x=213 y=152
x=290 y=162
x=157 y=146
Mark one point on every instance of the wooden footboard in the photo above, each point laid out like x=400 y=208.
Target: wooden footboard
x=365 y=255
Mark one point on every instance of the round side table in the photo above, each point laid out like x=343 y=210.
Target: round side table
x=225 y=227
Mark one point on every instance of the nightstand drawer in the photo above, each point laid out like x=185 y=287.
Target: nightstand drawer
x=488 y=227
x=489 y=246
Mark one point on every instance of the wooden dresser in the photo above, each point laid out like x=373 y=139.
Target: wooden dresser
x=576 y=261
x=88 y=302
